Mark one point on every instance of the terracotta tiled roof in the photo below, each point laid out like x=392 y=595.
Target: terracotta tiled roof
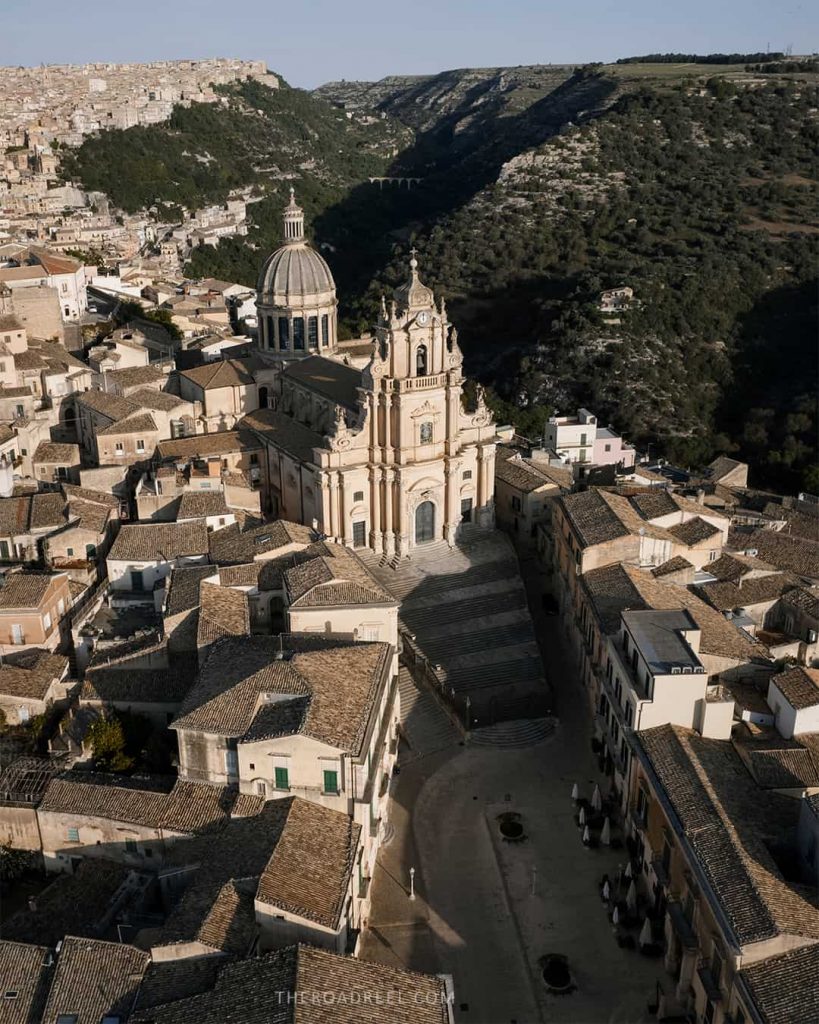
x=732 y=567
x=727 y=821
x=113 y=797
x=359 y=992
x=673 y=565
x=139 y=423
x=528 y=475
x=115 y=407
x=804 y=599
x=282 y=431
x=338 y=578
x=747 y=592
x=163 y=401
x=136 y=376
x=166 y=541
x=89 y=515
x=342 y=681
x=784 y=988
x=23 y=971
x=71 y=904
x=694 y=531
x=222 y=612
x=87 y=494
x=47 y=509
x=615 y=588
x=654 y=504
x=182 y=592
x=60 y=454
x=189 y=807
x=196 y=504
x=222 y=373
x=309 y=871
x=14 y=513
x=232 y=546
x=601 y=516
x=799 y=686
x=167 y=980
x=116 y=685
x=792 y=553
x=203 y=445
x=25 y=589
x=32 y=680
x=95 y=979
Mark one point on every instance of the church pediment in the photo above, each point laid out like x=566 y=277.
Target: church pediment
x=428 y=410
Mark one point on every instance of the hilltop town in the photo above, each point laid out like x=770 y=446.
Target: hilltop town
x=47 y=110
x=317 y=681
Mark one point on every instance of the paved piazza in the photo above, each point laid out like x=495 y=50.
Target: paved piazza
x=475 y=915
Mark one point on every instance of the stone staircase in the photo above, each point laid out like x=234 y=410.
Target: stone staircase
x=466 y=610
x=513 y=734
x=424 y=723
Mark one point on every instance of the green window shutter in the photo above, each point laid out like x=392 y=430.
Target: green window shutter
x=282 y=780
x=330 y=782
x=130 y=846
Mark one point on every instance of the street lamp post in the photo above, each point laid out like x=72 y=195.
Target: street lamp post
x=412 y=884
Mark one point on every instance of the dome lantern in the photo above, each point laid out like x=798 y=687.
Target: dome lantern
x=293 y=221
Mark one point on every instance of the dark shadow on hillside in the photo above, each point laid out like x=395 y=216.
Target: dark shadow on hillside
x=771 y=403
x=454 y=165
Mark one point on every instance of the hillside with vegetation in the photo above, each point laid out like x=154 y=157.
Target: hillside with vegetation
x=694 y=183
x=254 y=139
x=700 y=194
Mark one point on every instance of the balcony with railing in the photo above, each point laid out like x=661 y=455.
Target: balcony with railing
x=434 y=380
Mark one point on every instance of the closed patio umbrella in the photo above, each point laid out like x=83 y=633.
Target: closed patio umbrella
x=627 y=872
x=615 y=917
x=581 y=818
x=575 y=792
x=597 y=799
x=606 y=891
x=605 y=835
x=631 y=898
x=586 y=836
x=646 y=938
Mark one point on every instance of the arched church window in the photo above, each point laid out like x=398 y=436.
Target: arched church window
x=269 y=343
x=284 y=333
x=421 y=361
x=298 y=332
x=325 y=330
x=426 y=433
x=312 y=332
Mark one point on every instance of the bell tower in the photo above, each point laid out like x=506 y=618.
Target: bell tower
x=430 y=484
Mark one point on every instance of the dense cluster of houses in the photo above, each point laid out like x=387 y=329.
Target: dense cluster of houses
x=693 y=612
x=180 y=541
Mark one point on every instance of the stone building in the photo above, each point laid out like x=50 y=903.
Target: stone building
x=388 y=456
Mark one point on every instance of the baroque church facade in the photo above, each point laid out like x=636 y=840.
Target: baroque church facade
x=368 y=441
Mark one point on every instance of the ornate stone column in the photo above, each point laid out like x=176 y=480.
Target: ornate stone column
x=341 y=533
x=452 y=508
x=376 y=542
x=388 y=534
x=402 y=541
x=326 y=506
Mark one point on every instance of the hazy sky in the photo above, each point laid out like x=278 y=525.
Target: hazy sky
x=314 y=41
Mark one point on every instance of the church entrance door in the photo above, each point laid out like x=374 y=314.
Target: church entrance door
x=425 y=523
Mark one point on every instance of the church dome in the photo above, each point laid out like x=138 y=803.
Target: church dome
x=295 y=273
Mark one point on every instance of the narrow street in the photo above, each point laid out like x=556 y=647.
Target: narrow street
x=476 y=915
